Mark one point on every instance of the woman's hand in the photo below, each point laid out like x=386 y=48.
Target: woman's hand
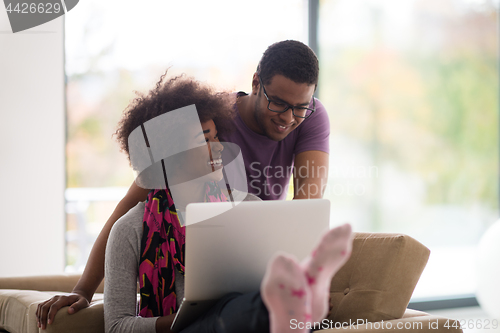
x=47 y=310
x=163 y=323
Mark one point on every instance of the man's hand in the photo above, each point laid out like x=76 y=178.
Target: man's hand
x=311 y=174
x=47 y=310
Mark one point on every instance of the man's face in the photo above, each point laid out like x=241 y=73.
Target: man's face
x=276 y=126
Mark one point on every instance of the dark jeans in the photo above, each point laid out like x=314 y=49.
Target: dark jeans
x=234 y=313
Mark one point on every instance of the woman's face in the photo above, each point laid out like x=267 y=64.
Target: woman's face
x=204 y=161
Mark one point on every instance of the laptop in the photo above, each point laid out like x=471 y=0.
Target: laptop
x=229 y=251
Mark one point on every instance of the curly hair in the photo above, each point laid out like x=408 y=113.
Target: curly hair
x=292 y=59
x=173 y=94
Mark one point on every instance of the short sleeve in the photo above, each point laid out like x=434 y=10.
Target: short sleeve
x=314 y=132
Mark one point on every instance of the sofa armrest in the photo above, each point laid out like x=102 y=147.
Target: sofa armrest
x=378 y=280
x=18 y=309
x=60 y=282
x=90 y=319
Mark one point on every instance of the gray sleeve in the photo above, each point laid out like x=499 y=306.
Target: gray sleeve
x=121 y=272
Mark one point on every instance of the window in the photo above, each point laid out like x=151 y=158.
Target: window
x=411 y=87
x=115 y=48
x=412 y=91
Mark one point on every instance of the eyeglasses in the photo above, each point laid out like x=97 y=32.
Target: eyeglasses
x=297 y=111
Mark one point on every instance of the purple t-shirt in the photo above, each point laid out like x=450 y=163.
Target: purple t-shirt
x=269 y=163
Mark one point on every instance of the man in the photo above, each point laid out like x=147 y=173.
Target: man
x=281 y=131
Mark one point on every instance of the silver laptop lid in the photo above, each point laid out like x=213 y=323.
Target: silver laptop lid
x=229 y=251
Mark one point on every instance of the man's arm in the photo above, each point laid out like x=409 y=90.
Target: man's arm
x=94 y=270
x=311 y=174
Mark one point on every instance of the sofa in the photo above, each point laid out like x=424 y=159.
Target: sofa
x=370 y=293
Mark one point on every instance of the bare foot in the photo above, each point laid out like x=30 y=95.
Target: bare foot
x=285 y=293
x=328 y=257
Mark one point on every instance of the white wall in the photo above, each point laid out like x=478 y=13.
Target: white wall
x=32 y=158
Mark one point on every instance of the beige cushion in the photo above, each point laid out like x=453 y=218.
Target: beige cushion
x=90 y=319
x=14 y=305
x=18 y=309
x=379 y=278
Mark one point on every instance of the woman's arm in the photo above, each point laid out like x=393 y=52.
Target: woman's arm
x=163 y=324
x=122 y=270
x=94 y=270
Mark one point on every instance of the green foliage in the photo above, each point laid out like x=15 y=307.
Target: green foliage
x=463 y=95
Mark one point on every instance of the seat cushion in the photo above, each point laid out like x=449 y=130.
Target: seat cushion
x=18 y=309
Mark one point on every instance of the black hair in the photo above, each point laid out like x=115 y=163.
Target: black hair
x=292 y=59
